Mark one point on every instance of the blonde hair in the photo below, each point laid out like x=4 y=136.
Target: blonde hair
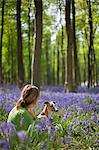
x=29 y=95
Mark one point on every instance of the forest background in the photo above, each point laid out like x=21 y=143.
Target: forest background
x=53 y=42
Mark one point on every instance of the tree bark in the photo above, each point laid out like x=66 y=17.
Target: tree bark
x=63 y=58
x=91 y=53
x=47 y=62
x=58 y=64
x=69 y=45
x=29 y=46
x=38 y=43
x=19 y=46
x=75 y=47
x=53 y=66
x=9 y=59
x=85 y=68
x=12 y=61
x=1 y=38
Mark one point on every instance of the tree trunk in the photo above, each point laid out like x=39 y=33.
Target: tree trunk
x=9 y=59
x=91 y=53
x=74 y=46
x=12 y=61
x=85 y=70
x=19 y=46
x=58 y=64
x=47 y=62
x=53 y=65
x=29 y=46
x=38 y=42
x=69 y=46
x=63 y=58
x=1 y=38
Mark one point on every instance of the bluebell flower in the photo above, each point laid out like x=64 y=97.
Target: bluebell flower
x=67 y=139
x=86 y=129
x=1 y=103
x=48 y=121
x=94 y=118
x=21 y=135
x=86 y=121
x=4 y=145
x=53 y=138
x=64 y=116
x=7 y=129
x=49 y=130
x=64 y=139
x=97 y=141
x=70 y=128
x=76 y=110
x=8 y=107
x=55 y=128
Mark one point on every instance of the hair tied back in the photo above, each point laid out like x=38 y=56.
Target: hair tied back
x=20 y=103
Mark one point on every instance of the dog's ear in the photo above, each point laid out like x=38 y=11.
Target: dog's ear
x=46 y=103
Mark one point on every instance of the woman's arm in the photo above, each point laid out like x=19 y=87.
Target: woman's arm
x=32 y=113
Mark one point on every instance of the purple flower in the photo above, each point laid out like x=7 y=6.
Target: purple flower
x=49 y=130
x=94 y=118
x=7 y=129
x=55 y=128
x=48 y=121
x=77 y=110
x=1 y=103
x=86 y=129
x=53 y=138
x=97 y=141
x=4 y=145
x=21 y=135
x=64 y=116
x=69 y=138
x=70 y=128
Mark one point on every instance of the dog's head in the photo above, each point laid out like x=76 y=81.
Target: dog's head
x=51 y=106
x=48 y=108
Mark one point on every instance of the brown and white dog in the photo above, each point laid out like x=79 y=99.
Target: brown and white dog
x=48 y=107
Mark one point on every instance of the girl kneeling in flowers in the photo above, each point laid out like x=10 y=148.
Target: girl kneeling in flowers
x=22 y=114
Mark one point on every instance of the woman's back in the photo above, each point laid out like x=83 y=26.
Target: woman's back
x=21 y=118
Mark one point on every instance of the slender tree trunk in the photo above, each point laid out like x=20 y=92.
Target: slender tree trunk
x=97 y=74
x=1 y=38
x=8 y=58
x=61 y=46
x=47 y=62
x=58 y=64
x=29 y=46
x=91 y=53
x=38 y=42
x=74 y=46
x=63 y=58
x=19 y=46
x=12 y=61
x=53 y=65
x=69 y=46
x=85 y=69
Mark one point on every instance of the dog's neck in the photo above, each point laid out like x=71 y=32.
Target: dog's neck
x=45 y=111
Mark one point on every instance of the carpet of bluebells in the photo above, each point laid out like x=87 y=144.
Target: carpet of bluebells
x=74 y=126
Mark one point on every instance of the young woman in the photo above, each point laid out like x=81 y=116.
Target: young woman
x=22 y=114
